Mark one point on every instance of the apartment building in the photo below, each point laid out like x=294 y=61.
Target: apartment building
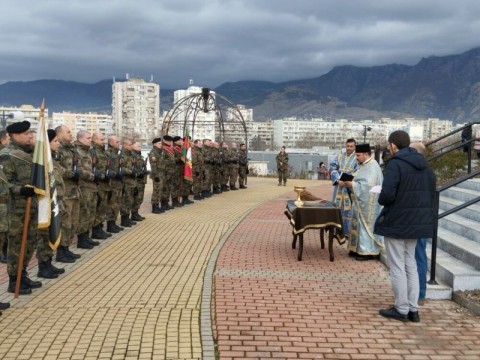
x=135 y=109
x=24 y=112
x=91 y=122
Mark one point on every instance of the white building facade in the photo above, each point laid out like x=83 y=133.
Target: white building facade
x=91 y=122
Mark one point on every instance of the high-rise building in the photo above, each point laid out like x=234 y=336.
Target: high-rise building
x=135 y=109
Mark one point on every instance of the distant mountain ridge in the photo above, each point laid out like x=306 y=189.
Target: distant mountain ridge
x=447 y=87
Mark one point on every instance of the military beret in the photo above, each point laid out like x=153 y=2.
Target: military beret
x=363 y=148
x=156 y=140
x=51 y=134
x=18 y=127
x=176 y=138
x=167 y=138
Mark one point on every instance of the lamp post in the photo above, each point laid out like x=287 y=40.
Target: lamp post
x=365 y=129
x=16 y=115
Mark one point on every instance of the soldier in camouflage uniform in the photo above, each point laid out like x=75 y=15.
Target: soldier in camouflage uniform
x=282 y=166
x=116 y=184
x=141 y=169
x=102 y=177
x=157 y=174
x=88 y=190
x=233 y=175
x=183 y=185
x=209 y=168
x=44 y=251
x=217 y=161
x=224 y=155
x=198 y=170
x=169 y=186
x=179 y=165
x=68 y=160
x=16 y=163
x=4 y=141
x=242 y=166
x=129 y=183
x=5 y=205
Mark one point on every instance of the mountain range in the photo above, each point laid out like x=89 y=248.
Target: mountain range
x=446 y=87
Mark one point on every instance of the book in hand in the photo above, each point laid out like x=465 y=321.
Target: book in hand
x=345 y=177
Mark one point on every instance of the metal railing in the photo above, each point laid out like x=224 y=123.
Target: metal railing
x=464 y=144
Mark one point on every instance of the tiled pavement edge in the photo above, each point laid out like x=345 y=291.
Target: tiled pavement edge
x=138 y=295
x=269 y=305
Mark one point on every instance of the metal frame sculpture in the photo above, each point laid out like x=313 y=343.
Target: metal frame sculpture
x=185 y=112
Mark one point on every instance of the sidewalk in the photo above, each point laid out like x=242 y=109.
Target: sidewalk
x=224 y=267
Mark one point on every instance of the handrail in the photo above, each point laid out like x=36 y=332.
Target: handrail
x=433 y=263
x=469 y=153
x=452 y=133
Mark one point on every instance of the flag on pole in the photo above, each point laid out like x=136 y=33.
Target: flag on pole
x=43 y=182
x=187 y=158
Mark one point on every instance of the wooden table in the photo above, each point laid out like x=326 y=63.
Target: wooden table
x=315 y=215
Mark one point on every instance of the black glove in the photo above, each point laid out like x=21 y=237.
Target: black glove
x=156 y=178
x=27 y=191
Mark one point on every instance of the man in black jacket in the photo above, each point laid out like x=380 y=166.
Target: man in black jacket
x=408 y=195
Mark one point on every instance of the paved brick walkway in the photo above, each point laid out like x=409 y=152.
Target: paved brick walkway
x=147 y=293
x=269 y=305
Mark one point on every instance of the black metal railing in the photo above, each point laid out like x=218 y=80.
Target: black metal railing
x=466 y=145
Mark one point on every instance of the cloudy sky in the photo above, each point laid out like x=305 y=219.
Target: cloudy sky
x=215 y=41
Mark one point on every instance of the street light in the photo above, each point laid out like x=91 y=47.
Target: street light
x=365 y=129
x=16 y=115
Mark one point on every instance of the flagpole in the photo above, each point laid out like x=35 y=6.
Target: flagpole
x=23 y=246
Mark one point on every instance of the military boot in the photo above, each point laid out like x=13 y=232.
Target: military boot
x=105 y=233
x=4 y=306
x=156 y=209
x=186 y=200
x=97 y=233
x=24 y=289
x=92 y=242
x=55 y=269
x=225 y=188
x=136 y=216
x=126 y=221
x=197 y=197
x=72 y=254
x=82 y=242
x=233 y=187
x=33 y=284
x=63 y=256
x=45 y=271
x=111 y=227
x=175 y=203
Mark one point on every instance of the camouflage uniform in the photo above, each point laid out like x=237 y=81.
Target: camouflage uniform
x=282 y=168
x=5 y=205
x=129 y=185
x=233 y=175
x=209 y=170
x=198 y=170
x=242 y=168
x=169 y=186
x=67 y=158
x=157 y=174
x=141 y=168
x=217 y=161
x=16 y=163
x=116 y=185
x=88 y=189
x=223 y=155
x=102 y=178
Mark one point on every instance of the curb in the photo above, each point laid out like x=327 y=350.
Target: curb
x=460 y=299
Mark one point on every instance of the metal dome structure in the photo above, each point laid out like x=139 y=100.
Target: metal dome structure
x=206 y=115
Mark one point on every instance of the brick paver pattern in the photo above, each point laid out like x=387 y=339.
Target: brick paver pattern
x=269 y=305
x=135 y=296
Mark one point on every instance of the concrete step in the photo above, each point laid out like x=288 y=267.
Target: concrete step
x=469 y=229
x=460 y=194
x=459 y=247
x=472 y=184
x=439 y=291
x=472 y=212
x=454 y=272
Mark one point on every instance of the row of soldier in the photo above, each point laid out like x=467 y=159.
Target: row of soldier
x=100 y=183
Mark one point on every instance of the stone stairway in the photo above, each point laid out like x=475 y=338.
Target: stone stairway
x=458 y=251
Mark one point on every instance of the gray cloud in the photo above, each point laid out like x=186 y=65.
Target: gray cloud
x=217 y=41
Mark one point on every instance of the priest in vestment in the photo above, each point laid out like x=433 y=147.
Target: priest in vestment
x=363 y=243
x=345 y=162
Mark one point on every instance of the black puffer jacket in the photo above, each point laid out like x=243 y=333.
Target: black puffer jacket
x=408 y=195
